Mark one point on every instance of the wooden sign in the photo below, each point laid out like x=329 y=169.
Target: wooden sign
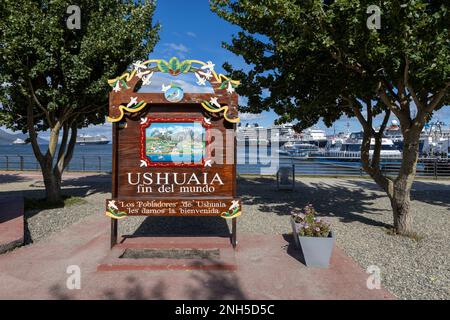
x=174 y=153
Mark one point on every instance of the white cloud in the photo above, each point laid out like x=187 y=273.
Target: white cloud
x=250 y=116
x=177 y=47
x=171 y=49
x=191 y=34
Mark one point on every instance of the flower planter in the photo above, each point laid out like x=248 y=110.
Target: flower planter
x=316 y=250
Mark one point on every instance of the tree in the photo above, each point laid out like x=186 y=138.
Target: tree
x=312 y=60
x=55 y=78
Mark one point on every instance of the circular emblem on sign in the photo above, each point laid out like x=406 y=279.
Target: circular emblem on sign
x=174 y=94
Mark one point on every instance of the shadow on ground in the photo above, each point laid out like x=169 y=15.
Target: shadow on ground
x=79 y=187
x=205 y=285
x=328 y=199
x=430 y=192
x=182 y=226
x=292 y=249
x=11 y=178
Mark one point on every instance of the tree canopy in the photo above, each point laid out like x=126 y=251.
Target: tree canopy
x=55 y=78
x=305 y=56
x=314 y=59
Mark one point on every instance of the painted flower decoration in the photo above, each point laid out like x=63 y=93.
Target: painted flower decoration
x=174 y=66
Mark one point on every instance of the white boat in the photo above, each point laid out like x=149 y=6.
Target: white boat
x=19 y=141
x=351 y=148
x=298 y=148
x=87 y=139
x=314 y=136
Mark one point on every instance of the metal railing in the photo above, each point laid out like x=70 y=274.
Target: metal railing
x=88 y=163
x=326 y=166
x=426 y=167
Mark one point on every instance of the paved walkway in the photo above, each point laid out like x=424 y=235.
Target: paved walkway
x=11 y=222
x=267 y=268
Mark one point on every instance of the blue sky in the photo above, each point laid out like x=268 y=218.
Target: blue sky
x=191 y=31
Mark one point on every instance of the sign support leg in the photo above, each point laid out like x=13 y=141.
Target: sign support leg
x=233 y=232
x=113 y=232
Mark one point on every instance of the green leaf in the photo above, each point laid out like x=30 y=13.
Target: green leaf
x=185 y=66
x=224 y=84
x=174 y=64
x=163 y=66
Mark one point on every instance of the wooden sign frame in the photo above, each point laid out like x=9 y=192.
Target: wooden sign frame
x=133 y=112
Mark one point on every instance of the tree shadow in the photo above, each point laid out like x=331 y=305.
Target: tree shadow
x=199 y=285
x=58 y=293
x=12 y=177
x=329 y=199
x=87 y=185
x=71 y=186
x=182 y=226
x=430 y=192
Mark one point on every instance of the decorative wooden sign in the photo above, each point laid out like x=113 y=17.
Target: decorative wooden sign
x=172 y=152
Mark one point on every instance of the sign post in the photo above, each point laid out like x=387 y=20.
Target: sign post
x=174 y=153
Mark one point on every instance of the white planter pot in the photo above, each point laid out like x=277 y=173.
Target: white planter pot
x=316 y=250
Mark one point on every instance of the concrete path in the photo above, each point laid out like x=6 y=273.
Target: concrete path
x=11 y=222
x=267 y=268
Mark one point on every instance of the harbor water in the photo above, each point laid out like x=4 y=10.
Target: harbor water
x=97 y=158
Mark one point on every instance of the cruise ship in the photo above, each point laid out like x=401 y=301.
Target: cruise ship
x=254 y=134
x=434 y=139
x=314 y=136
x=87 y=140
x=282 y=135
x=351 y=148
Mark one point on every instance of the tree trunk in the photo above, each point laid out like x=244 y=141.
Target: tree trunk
x=400 y=197
x=52 y=181
x=52 y=184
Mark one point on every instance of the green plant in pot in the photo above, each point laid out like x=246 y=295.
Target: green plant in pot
x=313 y=235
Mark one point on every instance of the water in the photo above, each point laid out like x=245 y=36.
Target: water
x=87 y=157
x=98 y=158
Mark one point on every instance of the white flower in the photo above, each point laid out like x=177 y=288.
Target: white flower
x=133 y=101
x=234 y=204
x=112 y=204
x=209 y=65
x=200 y=80
x=214 y=101
x=165 y=88
x=230 y=88
x=138 y=66
x=146 y=79
x=117 y=87
x=208 y=75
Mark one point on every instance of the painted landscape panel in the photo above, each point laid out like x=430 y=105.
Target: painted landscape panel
x=175 y=142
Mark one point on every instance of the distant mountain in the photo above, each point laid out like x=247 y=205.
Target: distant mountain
x=8 y=138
